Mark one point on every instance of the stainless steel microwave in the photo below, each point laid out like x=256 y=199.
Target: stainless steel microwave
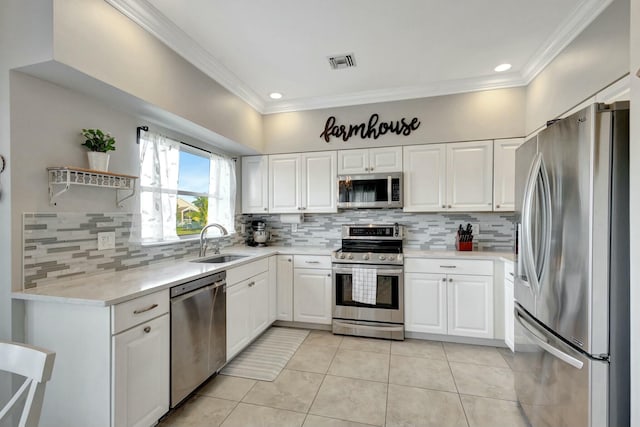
x=373 y=190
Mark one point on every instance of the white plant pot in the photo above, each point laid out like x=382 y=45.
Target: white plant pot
x=98 y=161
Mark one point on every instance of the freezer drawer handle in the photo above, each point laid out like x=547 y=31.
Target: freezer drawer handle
x=548 y=347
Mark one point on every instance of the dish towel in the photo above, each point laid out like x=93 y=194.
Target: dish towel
x=365 y=285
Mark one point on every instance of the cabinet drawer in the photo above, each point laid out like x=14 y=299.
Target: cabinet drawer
x=139 y=310
x=311 y=261
x=508 y=271
x=448 y=266
x=243 y=272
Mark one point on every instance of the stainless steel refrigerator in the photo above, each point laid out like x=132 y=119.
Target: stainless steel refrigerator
x=571 y=363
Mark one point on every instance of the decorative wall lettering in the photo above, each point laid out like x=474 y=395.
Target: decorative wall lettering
x=371 y=129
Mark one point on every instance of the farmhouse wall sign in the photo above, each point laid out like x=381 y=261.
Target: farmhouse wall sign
x=374 y=128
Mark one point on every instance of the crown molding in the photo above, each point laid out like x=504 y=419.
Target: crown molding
x=153 y=21
x=396 y=94
x=567 y=31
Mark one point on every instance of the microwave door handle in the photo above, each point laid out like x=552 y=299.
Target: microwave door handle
x=389 y=187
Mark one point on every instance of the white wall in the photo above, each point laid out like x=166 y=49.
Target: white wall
x=634 y=159
x=94 y=38
x=596 y=58
x=461 y=117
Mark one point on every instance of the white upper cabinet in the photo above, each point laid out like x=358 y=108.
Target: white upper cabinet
x=319 y=182
x=424 y=177
x=370 y=160
x=470 y=176
x=504 y=168
x=284 y=183
x=255 y=184
x=303 y=183
x=448 y=177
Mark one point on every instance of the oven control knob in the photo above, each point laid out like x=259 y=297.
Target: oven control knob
x=365 y=257
x=382 y=257
x=391 y=258
x=341 y=256
x=350 y=256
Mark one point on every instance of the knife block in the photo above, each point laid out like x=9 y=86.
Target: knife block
x=463 y=246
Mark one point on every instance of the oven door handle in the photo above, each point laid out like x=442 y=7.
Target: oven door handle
x=379 y=271
x=399 y=328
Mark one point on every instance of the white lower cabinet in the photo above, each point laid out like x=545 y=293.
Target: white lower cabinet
x=470 y=306
x=312 y=296
x=284 y=287
x=509 y=327
x=439 y=302
x=426 y=307
x=247 y=312
x=112 y=363
x=140 y=373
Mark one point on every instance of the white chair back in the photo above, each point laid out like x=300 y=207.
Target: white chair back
x=36 y=364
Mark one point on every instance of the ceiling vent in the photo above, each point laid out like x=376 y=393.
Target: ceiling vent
x=338 y=62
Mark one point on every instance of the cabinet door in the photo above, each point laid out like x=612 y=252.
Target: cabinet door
x=319 y=182
x=470 y=305
x=470 y=176
x=425 y=303
x=259 y=292
x=508 y=314
x=285 y=288
x=312 y=296
x=424 y=177
x=386 y=159
x=273 y=288
x=141 y=373
x=255 y=184
x=284 y=183
x=239 y=318
x=353 y=161
x=504 y=173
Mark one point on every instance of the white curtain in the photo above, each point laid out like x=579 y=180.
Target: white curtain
x=159 y=167
x=222 y=189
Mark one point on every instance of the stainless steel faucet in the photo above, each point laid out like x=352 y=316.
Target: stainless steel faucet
x=203 y=239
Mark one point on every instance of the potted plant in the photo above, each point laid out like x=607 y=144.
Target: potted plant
x=99 y=144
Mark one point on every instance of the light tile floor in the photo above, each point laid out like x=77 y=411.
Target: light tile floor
x=335 y=381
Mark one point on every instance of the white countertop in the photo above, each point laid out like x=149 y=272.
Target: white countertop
x=115 y=287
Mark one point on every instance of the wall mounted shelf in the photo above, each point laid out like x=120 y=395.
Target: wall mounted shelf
x=62 y=178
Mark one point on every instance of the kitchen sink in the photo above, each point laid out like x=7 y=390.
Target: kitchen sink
x=220 y=259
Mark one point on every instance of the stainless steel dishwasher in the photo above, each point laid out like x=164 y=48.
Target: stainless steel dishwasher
x=198 y=333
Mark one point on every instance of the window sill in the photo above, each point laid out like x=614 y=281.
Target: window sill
x=194 y=238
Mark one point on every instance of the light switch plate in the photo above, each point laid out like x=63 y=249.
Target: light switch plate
x=106 y=240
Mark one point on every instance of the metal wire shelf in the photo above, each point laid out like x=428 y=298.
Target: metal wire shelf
x=62 y=178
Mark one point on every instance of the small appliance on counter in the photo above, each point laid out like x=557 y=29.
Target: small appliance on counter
x=258 y=234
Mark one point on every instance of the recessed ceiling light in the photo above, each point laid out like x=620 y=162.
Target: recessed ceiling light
x=275 y=95
x=503 y=67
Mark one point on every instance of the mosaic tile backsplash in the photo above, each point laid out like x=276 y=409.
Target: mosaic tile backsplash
x=428 y=231
x=64 y=245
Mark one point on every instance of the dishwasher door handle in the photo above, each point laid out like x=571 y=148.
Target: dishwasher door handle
x=182 y=297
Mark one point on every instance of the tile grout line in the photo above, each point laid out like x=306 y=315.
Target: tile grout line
x=323 y=379
x=455 y=383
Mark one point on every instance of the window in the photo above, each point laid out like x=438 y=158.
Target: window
x=182 y=189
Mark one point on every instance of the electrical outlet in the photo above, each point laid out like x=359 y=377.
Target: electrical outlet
x=242 y=228
x=294 y=228
x=475 y=228
x=106 y=240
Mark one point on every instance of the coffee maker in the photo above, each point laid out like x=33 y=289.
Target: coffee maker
x=258 y=235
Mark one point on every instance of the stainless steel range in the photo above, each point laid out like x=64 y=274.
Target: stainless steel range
x=368 y=283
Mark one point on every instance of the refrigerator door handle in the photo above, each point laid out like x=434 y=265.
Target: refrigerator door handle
x=530 y=331
x=545 y=247
x=527 y=205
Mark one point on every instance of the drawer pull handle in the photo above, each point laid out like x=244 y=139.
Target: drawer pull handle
x=447 y=266
x=511 y=274
x=151 y=307
x=147 y=329
x=312 y=262
x=251 y=284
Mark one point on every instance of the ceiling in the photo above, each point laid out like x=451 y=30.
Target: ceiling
x=403 y=49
